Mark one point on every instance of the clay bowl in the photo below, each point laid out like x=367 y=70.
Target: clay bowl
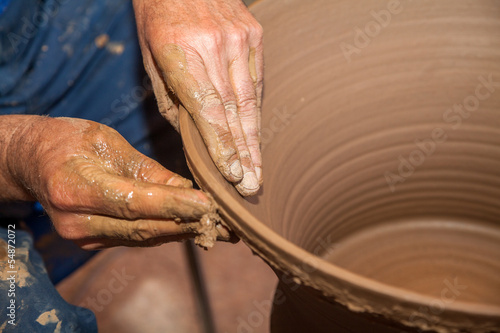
x=381 y=147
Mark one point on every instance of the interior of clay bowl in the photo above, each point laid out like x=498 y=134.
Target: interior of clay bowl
x=381 y=143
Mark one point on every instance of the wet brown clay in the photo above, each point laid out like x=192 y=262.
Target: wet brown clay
x=380 y=208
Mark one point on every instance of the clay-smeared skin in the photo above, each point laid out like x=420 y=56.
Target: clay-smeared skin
x=425 y=256
x=207 y=54
x=97 y=189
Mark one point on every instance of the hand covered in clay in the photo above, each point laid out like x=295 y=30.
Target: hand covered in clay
x=97 y=189
x=207 y=55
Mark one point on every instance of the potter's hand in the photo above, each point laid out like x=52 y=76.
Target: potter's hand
x=96 y=188
x=208 y=53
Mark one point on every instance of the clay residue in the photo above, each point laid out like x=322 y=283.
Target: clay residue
x=101 y=40
x=208 y=230
x=115 y=48
x=50 y=317
x=3 y=250
x=23 y=277
x=252 y=66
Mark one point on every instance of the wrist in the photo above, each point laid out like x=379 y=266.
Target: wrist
x=22 y=135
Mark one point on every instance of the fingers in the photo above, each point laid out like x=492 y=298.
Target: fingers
x=203 y=102
x=95 y=191
x=92 y=244
x=256 y=71
x=219 y=82
x=256 y=68
x=135 y=200
x=237 y=103
x=246 y=96
x=96 y=226
x=97 y=232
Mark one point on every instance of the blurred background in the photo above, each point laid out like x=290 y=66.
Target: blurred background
x=156 y=289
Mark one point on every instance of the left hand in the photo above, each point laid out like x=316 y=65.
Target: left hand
x=97 y=189
x=209 y=54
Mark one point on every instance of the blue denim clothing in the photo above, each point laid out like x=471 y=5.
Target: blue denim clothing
x=29 y=301
x=72 y=58
x=76 y=58
x=3 y=5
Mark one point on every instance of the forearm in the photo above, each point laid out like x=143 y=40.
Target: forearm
x=16 y=153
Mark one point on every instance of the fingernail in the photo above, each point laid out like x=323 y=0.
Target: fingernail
x=250 y=181
x=249 y=185
x=179 y=181
x=236 y=170
x=258 y=173
x=222 y=232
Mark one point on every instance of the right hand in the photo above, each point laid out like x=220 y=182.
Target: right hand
x=209 y=54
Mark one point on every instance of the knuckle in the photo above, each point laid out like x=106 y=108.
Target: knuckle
x=247 y=103
x=208 y=94
x=239 y=36
x=100 y=134
x=212 y=40
x=127 y=211
x=231 y=107
x=132 y=207
x=244 y=154
x=228 y=147
x=209 y=98
x=100 y=138
x=141 y=231
x=257 y=30
x=145 y=169
x=57 y=195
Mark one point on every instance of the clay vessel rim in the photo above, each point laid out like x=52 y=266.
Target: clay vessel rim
x=266 y=241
